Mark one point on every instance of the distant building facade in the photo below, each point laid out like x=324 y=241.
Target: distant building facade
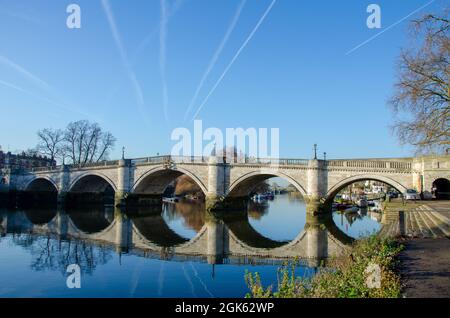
x=9 y=160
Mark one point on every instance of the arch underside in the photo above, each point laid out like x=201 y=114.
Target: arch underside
x=442 y=188
x=157 y=180
x=91 y=184
x=41 y=185
x=91 y=189
x=358 y=178
x=37 y=193
x=244 y=185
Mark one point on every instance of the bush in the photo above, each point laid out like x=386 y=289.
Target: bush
x=344 y=277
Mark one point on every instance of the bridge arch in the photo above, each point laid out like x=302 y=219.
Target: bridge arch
x=91 y=182
x=156 y=180
x=91 y=188
x=41 y=184
x=243 y=185
x=38 y=192
x=362 y=177
x=441 y=187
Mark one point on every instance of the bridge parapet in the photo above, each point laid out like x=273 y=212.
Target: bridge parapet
x=371 y=164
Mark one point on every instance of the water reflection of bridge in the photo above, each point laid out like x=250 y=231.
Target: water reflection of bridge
x=146 y=233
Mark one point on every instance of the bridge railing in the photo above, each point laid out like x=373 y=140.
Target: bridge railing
x=371 y=164
x=274 y=161
x=105 y=163
x=40 y=169
x=341 y=163
x=166 y=159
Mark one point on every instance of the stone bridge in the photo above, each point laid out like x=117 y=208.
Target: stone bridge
x=227 y=184
x=148 y=233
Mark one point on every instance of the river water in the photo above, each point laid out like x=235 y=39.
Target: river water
x=36 y=247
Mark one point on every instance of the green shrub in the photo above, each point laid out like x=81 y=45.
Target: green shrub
x=344 y=277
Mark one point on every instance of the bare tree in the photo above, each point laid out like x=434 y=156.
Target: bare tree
x=421 y=99
x=82 y=142
x=50 y=142
x=86 y=142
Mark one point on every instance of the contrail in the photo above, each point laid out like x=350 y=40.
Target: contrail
x=54 y=103
x=40 y=82
x=389 y=27
x=131 y=75
x=162 y=57
x=216 y=55
x=176 y=6
x=261 y=20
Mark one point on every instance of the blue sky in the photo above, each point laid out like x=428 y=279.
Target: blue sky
x=120 y=70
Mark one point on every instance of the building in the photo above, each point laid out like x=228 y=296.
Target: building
x=24 y=161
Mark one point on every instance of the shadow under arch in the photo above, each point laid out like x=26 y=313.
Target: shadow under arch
x=155 y=181
x=363 y=177
x=441 y=188
x=91 y=188
x=39 y=192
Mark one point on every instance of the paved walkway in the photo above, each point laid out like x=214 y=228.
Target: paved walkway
x=425 y=261
x=425 y=268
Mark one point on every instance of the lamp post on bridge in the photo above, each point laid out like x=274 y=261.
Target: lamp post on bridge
x=315 y=151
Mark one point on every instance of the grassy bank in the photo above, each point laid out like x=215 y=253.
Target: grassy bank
x=347 y=278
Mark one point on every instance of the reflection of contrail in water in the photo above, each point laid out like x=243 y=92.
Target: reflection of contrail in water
x=200 y=280
x=161 y=279
x=189 y=281
x=135 y=278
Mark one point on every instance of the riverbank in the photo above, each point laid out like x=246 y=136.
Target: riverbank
x=367 y=270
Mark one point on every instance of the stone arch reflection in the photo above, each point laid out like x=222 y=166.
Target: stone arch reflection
x=154 y=228
x=238 y=223
x=94 y=220
x=40 y=216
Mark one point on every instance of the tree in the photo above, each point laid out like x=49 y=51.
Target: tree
x=50 y=142
x=421 y=99
x=82 y=142
x=86 y=142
